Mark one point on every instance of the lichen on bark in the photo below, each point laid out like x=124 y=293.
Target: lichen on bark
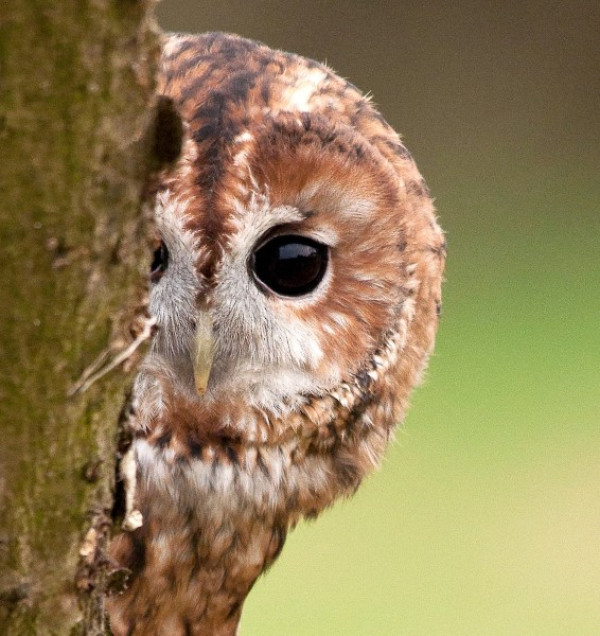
x=76 y=122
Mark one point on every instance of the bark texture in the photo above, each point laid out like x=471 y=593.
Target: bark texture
x=76 y=124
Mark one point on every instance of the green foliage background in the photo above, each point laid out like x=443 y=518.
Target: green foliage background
x=485 y=518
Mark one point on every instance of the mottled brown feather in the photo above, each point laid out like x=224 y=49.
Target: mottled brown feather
x=220 y=482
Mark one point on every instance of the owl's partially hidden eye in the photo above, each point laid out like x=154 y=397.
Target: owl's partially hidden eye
x=296 y=305
x=290 y=265
x=160 y=262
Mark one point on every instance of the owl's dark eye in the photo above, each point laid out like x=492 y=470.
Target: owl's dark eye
x=160 y=262
x=290 y=265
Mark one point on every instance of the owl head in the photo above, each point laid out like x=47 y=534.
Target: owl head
x=296 y=285
x=300 y=261
x=296 y=282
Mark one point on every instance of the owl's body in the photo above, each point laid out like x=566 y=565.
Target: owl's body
x=268 y=392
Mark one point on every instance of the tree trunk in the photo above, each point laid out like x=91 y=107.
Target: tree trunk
x=76 y=123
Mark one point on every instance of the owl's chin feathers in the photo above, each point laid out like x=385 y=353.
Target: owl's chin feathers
x=219 y=486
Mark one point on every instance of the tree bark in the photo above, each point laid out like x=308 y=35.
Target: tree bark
x=76 y=148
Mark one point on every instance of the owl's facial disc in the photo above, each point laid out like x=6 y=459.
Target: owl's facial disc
x=204 y=351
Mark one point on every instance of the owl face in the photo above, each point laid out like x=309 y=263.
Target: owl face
x=302 y=281
x=296 y=288
x=285 y=229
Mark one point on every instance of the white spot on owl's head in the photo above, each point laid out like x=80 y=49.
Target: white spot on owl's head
x=296 y=97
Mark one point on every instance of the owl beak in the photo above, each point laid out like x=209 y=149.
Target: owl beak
x=204 y=351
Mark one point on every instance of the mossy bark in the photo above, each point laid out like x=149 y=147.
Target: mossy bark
x=76 y=104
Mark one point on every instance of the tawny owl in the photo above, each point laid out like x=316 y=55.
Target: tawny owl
x=296 y=291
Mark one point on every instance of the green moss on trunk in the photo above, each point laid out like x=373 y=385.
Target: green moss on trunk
x=76 y=88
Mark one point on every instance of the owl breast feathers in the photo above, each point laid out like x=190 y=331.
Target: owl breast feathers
x=296 y=290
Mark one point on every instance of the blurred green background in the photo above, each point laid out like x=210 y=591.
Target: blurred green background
x=485 y=518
